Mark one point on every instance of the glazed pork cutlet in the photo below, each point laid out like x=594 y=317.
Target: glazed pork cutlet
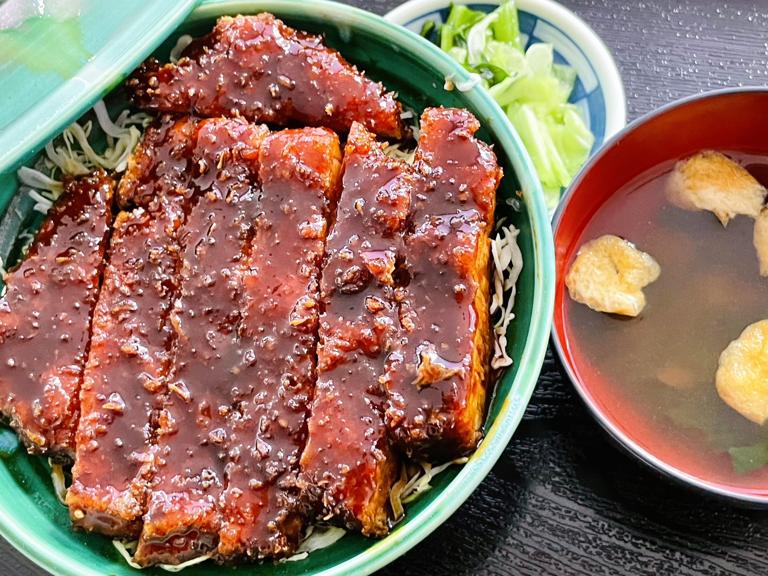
x=348 y=462
x=131 y=343
x=45 y=317
x=436 y=387
x=183 y=516
x=259 y=68
x=299 y=173
x=161 y=164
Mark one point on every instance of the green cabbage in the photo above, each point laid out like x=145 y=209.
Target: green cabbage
x=528 y=85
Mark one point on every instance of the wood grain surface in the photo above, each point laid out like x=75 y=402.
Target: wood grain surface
x=563 y=500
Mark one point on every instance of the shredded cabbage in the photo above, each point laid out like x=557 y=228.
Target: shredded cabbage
x=42 y=204
x=396 y=151
x=179 y=47
x=59 y=481
x=187 y=564
x=316 y=538
x=527 y=84
x=127 y=550
x=36 y=179
x=414 y=480
x=72 y=154
x=507 y=266
x=403 y=151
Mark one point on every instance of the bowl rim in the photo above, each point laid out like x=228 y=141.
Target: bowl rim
x=582 y=34
x=559 y=340
x=525 y=377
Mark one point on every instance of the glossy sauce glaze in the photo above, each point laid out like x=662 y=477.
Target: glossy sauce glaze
x=263 y=512
x=436 y=380
x=348 y=462
x=125 y=378
x=161 y=164
x=258 y=67
x=654 y=375
x=183 y=516
x=45 y=317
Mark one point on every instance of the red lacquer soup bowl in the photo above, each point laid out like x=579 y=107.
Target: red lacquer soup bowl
x=683 y=430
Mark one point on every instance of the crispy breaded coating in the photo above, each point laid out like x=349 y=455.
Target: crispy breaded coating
x=45 y=317
x=262 y=511
x=259 y=68
x=609 y=274
x=711 y=181
x=742 y=373
x=437 y=384
x=348 y=462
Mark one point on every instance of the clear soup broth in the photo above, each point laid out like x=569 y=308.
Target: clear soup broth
x=654 y=375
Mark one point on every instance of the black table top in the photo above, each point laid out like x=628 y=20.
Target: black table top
x=563 y=499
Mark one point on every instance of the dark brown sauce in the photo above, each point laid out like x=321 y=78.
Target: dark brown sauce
x=655 y=374
x=436 y=384
x=45 y=316
x=161 y=165
x=257 y=67
x=127 y=368
x=298 y=171
x=126 y=374
x=208 y=359
x=348 y=458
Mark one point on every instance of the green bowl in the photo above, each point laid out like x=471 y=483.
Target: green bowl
x=31 y=517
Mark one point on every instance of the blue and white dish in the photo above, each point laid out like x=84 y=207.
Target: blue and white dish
x=598 y=92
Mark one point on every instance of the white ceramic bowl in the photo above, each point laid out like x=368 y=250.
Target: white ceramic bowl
x=599 y=91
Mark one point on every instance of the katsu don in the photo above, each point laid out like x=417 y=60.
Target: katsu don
x=269 y=319
x=261 y=69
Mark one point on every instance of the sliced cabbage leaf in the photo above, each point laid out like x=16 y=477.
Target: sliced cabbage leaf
x=506 y=28
x=532 y=89
x=460 y=20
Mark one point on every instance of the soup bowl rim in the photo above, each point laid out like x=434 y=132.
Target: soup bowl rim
x=559 y=339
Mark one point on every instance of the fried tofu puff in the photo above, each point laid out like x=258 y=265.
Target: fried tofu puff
x=609 y=275
x=712 y=181
x=742 y=373
x=760 y=240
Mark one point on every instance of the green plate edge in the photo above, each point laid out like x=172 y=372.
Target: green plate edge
x=454 y=486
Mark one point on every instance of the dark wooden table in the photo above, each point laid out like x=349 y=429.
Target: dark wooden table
x=563 y=499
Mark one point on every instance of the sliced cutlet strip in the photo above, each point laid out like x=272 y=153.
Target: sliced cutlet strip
x=348 y=462
x=161 y=164
x=259 y=68
x=131 y=344
x=437 y=384
x=45 y=317
x=299 y=173
x=183 y=516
